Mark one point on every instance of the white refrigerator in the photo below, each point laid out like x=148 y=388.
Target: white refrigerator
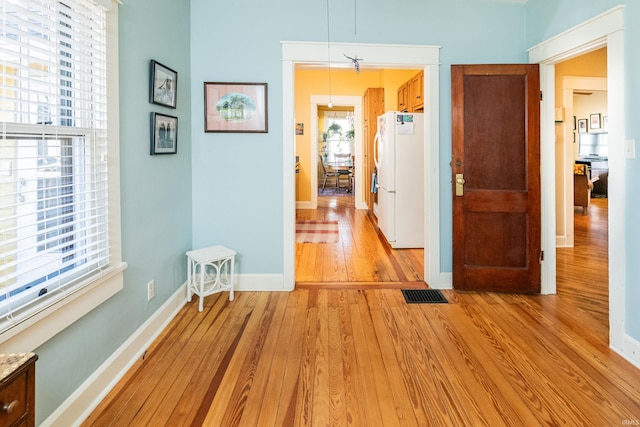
x=399 y=159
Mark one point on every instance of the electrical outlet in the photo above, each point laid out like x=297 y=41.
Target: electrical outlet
x=151 y=290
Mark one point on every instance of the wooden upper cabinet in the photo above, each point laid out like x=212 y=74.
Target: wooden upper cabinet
x=403 y=97
x=417 y=92
x=411 y=94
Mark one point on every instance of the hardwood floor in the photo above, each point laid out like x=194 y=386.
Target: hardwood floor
x=360 y=258
x=366 y=358
x=583 y=271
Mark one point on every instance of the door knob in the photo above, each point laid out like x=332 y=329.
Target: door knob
x=459 y=184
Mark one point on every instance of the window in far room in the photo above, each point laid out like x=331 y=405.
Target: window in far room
x=336 y=140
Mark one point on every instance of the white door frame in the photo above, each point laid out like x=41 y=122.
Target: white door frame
x=337 y=101
x=604 y=30
x=377 y=56
x=564 y=167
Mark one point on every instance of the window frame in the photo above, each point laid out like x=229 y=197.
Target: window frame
x=42 y=326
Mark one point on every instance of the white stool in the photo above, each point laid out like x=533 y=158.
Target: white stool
x=217 y=266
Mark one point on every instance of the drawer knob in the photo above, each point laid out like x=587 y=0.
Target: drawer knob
x=9 y=407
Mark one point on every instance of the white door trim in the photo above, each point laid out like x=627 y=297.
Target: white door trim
x=603 y=30
x=564 y=167
x=377 y=56
x=337 y=101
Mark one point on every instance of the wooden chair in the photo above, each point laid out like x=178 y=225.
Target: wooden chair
x=328 y=173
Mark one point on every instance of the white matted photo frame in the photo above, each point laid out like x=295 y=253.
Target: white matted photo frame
x=163 y=88
x=235 y=107
x=582 y=126
x=164 y=134
x=594 y=121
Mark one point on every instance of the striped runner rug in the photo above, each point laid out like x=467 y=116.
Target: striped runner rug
x=316 y=231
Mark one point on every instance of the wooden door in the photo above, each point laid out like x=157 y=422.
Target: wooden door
x=496 y=177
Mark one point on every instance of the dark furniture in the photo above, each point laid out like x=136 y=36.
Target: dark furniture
x=17 y=389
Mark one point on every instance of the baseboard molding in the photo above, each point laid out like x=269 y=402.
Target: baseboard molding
x=260 y=282
x=630 y=350
x=443 y=281
x=561 y=242
x=306 y=205
x=77 y=407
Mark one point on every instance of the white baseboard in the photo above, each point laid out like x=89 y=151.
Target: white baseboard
x=361 y=205
x=630 y=350
x=444 y=281
x=305 y=205
x=260 y=282
x=561 y=242
x=77 y=407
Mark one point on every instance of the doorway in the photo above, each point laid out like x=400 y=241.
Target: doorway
x=605 y=30
x=378 y=56
x=582 y=238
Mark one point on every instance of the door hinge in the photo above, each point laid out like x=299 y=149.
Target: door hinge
x=540 y=95
x=541 y=256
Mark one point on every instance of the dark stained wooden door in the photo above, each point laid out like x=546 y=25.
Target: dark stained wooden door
x=496 y=177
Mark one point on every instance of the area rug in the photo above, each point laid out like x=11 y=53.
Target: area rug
x=333 y=191
x=316 y=231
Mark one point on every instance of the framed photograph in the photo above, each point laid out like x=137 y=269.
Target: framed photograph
x=582 y=126
x=235 y=107
x=164 y=134
x=164 y=85
x=299 y=128
x=605 y=123
x=574 y=122
x=594 y=121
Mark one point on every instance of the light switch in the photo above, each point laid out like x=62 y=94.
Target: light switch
x=630 y=148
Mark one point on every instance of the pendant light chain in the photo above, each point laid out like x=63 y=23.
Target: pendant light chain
x=329 y=51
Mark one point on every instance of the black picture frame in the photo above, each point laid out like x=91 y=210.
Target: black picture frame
x=164 y=134
x=583 y=126
x=594 y=121
x=163 y=85
x=249 y=113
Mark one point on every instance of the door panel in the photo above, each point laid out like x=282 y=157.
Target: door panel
x=495 y=148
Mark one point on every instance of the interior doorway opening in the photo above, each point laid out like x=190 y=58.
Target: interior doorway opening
x=424 y=58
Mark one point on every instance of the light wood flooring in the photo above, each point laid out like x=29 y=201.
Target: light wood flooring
x=360 y=259
x=319 y=357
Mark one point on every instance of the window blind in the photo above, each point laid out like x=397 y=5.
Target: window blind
x=54 y=235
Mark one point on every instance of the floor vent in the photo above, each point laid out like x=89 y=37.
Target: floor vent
x=423 y=296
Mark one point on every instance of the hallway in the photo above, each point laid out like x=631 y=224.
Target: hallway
x=360 y=258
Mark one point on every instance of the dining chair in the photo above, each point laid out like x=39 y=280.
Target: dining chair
x=328 y=173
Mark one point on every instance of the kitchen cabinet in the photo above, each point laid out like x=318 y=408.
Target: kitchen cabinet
x=403 y=97
x=411 y=94
x=417 y=92
x=373 y=106
x=17 y=389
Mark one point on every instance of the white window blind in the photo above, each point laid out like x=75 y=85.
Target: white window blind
x=53 y=169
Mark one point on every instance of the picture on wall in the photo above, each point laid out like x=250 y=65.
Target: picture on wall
x=582 y=125
x=164 y=134
x=163 y=85
x=235 y=107
x=594 y=121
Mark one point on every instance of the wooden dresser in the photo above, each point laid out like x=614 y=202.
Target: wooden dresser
x=17 y=389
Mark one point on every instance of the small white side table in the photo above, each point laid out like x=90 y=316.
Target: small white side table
x=216 y=266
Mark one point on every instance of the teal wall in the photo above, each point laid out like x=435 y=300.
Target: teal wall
x=227 y=188
x=546 y=18
x=237 y=178
x=156 y=203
